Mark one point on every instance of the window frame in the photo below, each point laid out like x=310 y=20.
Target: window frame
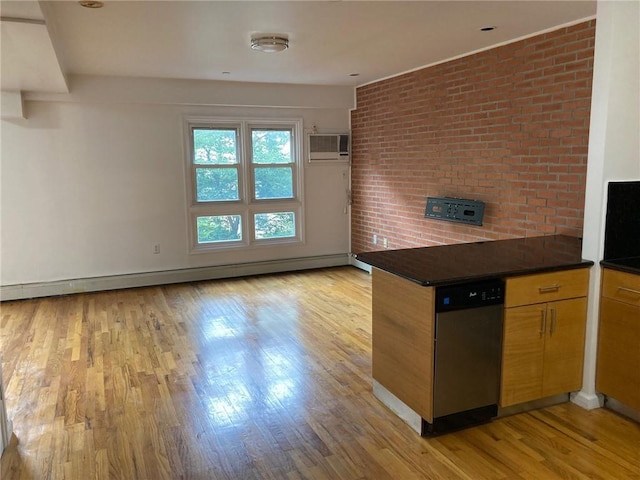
x=252 y=166
x=246 y=205
x=238 y=166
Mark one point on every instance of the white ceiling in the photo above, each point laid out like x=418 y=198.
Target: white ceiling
x=329 y=40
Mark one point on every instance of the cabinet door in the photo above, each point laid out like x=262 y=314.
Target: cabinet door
x=618 y=368
x=564 y=346
x=522 y=354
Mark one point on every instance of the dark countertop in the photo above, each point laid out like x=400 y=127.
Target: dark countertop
x=449 y=264
x=629 y=265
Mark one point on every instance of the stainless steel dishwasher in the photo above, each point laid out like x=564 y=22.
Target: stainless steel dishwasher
x=467 y=355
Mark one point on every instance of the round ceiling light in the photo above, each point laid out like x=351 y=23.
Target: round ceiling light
x=270 y=43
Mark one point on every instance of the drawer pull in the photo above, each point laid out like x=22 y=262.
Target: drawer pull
x=549 y=289
x=543 y=322
x=629 y=290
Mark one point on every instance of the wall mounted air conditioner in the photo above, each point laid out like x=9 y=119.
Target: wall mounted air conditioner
x=328 y=147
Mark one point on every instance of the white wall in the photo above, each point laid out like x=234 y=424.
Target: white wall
x=614 y=146
x=91 y=180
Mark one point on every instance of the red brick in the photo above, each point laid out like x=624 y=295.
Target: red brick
x=508 y=126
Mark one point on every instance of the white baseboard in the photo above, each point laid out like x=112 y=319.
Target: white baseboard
x=588 y=401
x=145 y=279
x=357 y=263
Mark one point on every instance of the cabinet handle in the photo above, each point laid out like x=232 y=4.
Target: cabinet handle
x=629 y=290
x=549 y=289
x=543 y=322
x=553 y=321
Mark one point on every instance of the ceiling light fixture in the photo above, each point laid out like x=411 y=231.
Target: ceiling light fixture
x=91 y=4
x=269 y=43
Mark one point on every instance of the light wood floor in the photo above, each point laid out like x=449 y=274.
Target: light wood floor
x=257 y=378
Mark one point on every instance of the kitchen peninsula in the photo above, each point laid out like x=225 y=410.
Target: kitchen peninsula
x=542 y=319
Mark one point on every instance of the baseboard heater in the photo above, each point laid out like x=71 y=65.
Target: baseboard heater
x=165 y=277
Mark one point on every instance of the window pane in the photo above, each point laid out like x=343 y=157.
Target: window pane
x=213 y=146
x=275 y=225
x=219 y=228
x=271 y=146
x=216 y=184
x=273 y=182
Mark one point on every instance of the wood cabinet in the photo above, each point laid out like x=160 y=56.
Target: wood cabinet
x=618 y=363
x=402 y=340
x=544 y=335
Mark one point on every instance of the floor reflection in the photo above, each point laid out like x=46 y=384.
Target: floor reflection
x=219 y=328
x=251 y=370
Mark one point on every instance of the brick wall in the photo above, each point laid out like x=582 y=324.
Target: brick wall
x=508 y=126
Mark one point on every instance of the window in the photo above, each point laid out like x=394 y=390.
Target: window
x=244 y=183
x=216 y=166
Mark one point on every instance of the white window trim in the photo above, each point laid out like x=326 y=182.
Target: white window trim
x=247 y=205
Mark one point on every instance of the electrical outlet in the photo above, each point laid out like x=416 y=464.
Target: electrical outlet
x=385 y=243
x=375 y=239
x=156 y=248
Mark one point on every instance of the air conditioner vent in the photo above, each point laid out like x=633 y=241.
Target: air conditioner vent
x=328 y=147
x=323 y=143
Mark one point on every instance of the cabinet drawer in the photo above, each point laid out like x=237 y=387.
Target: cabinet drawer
x=621 y=286
x=546 y=287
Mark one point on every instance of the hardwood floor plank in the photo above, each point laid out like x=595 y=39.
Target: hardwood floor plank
x=265 y=377
x=590 y=456
x=517 y=462
x=471 y=459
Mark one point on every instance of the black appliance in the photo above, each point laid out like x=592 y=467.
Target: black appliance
x=468 y=353
x=622 y=230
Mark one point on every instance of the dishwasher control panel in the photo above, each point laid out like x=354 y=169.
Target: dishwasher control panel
x=469 y=295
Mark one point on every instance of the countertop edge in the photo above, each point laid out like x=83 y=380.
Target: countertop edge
x=492 y=275
x=443 y=265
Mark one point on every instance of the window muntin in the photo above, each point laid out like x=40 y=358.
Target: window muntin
x=245 y=183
